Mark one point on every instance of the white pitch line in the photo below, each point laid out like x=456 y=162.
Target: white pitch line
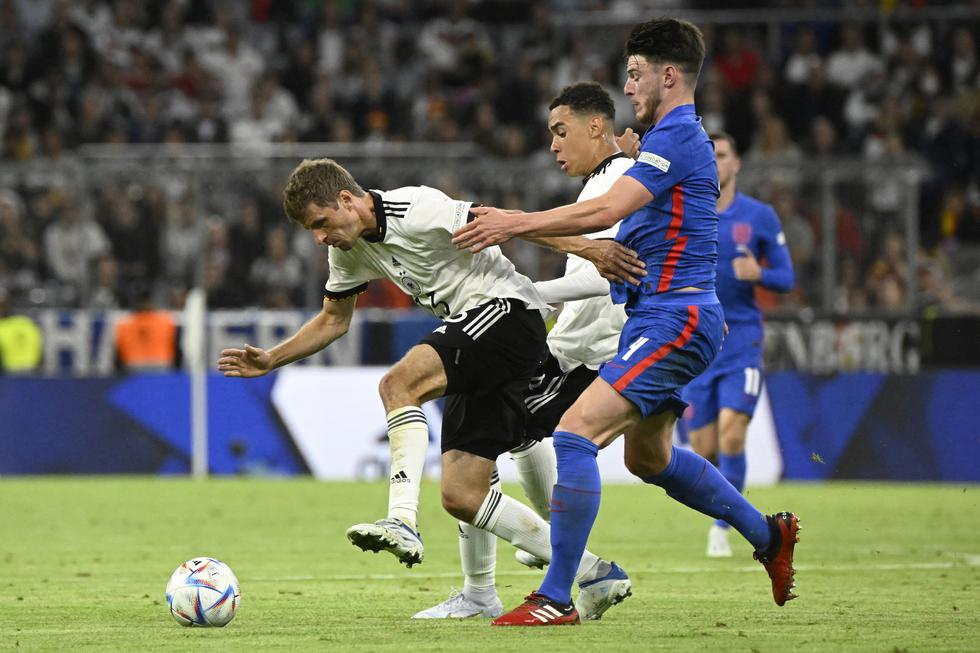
x=968 y=560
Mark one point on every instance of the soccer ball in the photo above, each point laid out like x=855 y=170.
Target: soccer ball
x=203 y=592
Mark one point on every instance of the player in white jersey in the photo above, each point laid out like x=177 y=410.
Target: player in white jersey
x=481 y=358
x=585 y=335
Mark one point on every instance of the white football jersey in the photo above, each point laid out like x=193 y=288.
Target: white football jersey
x=587 y=330
x=414 y=249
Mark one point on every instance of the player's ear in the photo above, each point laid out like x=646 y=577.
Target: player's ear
x=671 y=76
x=596 y=126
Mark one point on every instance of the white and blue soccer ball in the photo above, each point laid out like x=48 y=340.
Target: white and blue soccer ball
x=203 y=592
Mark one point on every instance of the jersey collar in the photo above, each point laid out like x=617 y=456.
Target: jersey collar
x=675 y=114
x=599 y=169
x=380 y=217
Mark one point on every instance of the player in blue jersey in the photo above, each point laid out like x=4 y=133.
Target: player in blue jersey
x=723 y=398
x=673 y=331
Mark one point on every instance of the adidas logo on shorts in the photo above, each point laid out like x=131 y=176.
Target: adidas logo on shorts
x=400 y=477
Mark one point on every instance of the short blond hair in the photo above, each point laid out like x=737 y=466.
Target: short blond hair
x=316 y=181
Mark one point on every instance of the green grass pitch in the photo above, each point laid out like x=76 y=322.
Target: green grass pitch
x=84 y=562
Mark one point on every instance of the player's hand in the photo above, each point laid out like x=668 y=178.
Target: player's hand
x=746 y=266
x=629 y=143
x=614 y=262
x=247 y=363
x=491 y=227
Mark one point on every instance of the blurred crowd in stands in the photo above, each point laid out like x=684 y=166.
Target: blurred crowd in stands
x=88 y=72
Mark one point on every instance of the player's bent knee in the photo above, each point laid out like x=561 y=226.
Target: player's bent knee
x=647 y=461
x=704 y=441
x=461 y=505
x=733 y=432
x=394 y=392
x=588 y=426
x=645 y=467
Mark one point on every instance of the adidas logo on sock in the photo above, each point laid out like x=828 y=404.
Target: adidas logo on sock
x=400 y=477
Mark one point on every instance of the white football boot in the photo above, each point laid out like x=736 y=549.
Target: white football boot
x=718 y=546
x=530 y=560
x=392 y=535
x=459 y=606
x=599 y=594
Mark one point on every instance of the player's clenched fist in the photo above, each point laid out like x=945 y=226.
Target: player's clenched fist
x=248 y=362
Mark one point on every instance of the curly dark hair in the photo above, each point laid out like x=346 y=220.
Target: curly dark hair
x=668 y=40
x=585 y=97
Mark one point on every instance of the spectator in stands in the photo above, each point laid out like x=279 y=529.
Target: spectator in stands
x=457 y=46
x=804 y=58
x=277 y=275
x=222 y=290
x=953 y=215
x=182 y=244
x=711 y=103
x=823 y=138
x=19 y=138
x=13 y=66
x=105 y=288
x=330 y=39
x=962 y=68
x=888 y=276
x=146 y=340
x=936 y=291
x=738 y=60
x=20 y=257
x=247 y=236
x=21 y=340
x=773 y=146
x=273 y=113
x=72 y=243
x=237 y=63
x=813 y=98
x=167 y=41
x=852 y=62
x=850 y=295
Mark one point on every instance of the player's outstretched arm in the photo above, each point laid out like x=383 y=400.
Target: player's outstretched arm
x=583 y=284
x=493 y=226
x=612 y=260
x=326 y=326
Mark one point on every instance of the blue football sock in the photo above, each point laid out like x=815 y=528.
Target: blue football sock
x=732 y=467
x=696 y=483
x=574 y=506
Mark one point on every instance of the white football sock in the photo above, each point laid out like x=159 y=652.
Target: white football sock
x=514 y=522
x=537 y=472
x=478 y=554
x=408 y=440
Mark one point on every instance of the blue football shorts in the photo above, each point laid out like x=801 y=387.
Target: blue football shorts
x=662 y=348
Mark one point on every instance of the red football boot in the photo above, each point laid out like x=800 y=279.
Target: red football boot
x=539 y=610
x=778 y=559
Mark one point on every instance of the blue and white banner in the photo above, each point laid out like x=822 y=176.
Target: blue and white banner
x=329 y=422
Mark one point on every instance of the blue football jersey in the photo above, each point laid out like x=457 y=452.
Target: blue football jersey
x=748 y=224
x=676 y=233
